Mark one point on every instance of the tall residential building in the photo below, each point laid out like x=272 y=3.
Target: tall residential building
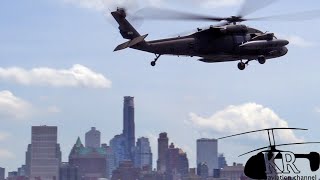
x=117 y=145
x=28 y=160
x=183 y=164
x=163 y=142
x=143 y=154
x=222 y=161
x=22 y=170
x=110 y=160
x=207 y=152
x=202 y=170
x=68 y=172
x=91 y=162
x=93 y=138
x=45 y=155
x=177 y=163
x=2 y=173
x=128 y=126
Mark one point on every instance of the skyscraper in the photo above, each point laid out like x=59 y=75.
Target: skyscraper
x=93 y=138
x=128 y=125
x=207 y=152
x=143 y=154
x=45 y=155
x=183 y=164
x=163 y=143
x=2 y=173
x=177 y=162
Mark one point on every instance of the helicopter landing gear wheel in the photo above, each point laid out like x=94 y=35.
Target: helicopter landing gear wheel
x=261 y=59
x=241 y=65
x=153 y=63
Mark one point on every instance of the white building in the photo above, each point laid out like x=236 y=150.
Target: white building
x=93 y=138
x=207 y=152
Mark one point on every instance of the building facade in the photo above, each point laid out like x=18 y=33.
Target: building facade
x=93 y=138
x=126 y=171
x=202 y=170
x=110 y=160
x=45 y=155
x=177 y=163
x=68 y=172
x=163 y=143
x=117 y=145
x=234 y=172
x=207 y=152
x=222 y=161
x=2 y=173
x=143 y=154
x=91 y=162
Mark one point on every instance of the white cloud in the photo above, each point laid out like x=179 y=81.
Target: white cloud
x=53 y=109
x=5 y=154
x=243 y=118
x=298 y=41
x=12 y=107
x=77 y=76
x=4 y=136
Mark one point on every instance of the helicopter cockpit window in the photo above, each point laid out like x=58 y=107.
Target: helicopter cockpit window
x=239 y=39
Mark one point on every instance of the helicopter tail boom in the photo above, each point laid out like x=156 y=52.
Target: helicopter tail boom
x=126 y=29
x=131 y=43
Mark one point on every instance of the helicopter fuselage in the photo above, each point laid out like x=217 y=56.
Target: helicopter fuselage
x=218 y=44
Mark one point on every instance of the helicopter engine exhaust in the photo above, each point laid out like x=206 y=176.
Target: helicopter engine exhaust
x=256 y=45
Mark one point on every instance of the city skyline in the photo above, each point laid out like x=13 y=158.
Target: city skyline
x=58 y=68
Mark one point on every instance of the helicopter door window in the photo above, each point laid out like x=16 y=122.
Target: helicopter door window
x=239 y=39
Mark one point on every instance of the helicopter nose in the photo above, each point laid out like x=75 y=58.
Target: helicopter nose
x=284 y=51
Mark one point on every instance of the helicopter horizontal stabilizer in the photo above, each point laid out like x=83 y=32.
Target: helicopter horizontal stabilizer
x=131 y=43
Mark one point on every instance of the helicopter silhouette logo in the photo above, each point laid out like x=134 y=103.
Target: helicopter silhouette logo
x=262 y=165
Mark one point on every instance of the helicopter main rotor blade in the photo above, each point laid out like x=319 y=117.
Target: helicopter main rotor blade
x=288 y=144
x=299 y=16
x=251 y=6
x=168 y=14
x=253 y=151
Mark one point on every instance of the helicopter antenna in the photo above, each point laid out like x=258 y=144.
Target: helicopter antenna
x=274 y=141
x=269 y=138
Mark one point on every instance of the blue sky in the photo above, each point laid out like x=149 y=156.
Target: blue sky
x=57 y=67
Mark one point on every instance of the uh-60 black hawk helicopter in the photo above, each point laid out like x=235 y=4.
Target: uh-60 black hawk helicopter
x=228 y=41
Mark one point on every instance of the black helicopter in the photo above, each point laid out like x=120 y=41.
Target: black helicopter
x=255 y=167
x=228 y=41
